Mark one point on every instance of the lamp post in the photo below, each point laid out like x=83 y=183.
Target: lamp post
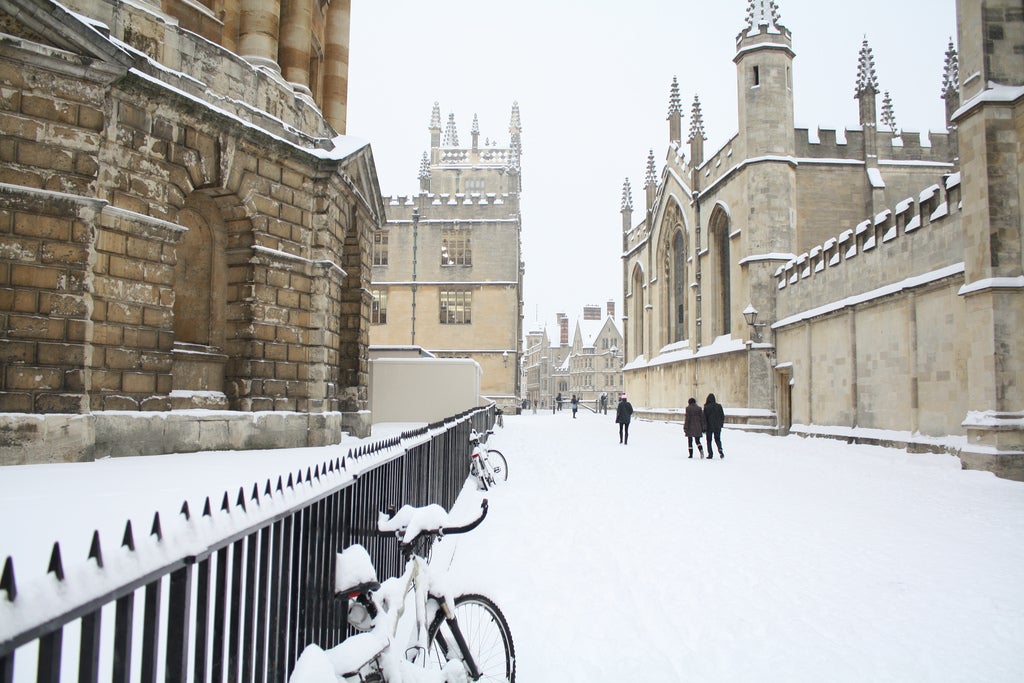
x=750 y=315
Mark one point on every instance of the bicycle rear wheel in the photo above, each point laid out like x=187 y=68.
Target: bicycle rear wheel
x=498 y=464
x=486 y=634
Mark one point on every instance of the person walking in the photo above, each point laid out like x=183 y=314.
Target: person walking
x=623 y=414
x=714 y=420
x=575 y=405
x=693 y=427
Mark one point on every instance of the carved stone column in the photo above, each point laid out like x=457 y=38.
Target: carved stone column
x=296 y=37
x=258 y=32
x=336 y=64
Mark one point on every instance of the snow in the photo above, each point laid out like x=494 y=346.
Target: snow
x=793 y=558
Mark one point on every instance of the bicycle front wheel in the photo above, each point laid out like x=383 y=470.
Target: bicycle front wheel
x=498 y=464
x=486 y=634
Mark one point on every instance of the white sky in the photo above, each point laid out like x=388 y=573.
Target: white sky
x=592 y=80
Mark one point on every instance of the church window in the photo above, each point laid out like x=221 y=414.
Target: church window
x=456 y=307
x=379 y=307
x=757 y=75
x=456 y=249
x=380 y=248
x=475 y=185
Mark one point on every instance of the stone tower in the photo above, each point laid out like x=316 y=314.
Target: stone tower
x=764 y=81
x=448 y=275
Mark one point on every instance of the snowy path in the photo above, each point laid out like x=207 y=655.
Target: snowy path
x=789 y=560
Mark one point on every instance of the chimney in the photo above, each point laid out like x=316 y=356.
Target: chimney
x=563 y=329
x=591 y=312
x=611 y=309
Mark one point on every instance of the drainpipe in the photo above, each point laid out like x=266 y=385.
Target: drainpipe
x=415 y=236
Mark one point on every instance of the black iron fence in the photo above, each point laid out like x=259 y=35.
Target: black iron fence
x=242 y=586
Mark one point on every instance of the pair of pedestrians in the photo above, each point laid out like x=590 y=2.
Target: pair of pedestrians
x=708 y=421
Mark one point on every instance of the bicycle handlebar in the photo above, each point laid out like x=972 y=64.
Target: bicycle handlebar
x=426 y=521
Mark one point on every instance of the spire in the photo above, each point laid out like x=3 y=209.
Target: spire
x=867 y=79
x=951 y=85
x=763 y=13
x=696 y=121
x=424 y=174
x=475 y=133
x=435 y=127
x=514 y=125
x=888 y=115
x=627 y=197
x=674 y=102
x=451 y=134
x=951 y=73
x=650 y=177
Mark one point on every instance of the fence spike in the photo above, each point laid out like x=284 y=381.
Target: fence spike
x=267 y=491
x=308 y=477
x=256 y=493
x=128 y=540
x=225 y=505
x=56 y=566
x=240 y=502
x=280 y=488
x=94 y=549
x=207 y=509
x=290 y=481
x=7 y=582
x=344 y=462
x=185 y=511
x=316 y=473
x=330 y=466
x=156 y=530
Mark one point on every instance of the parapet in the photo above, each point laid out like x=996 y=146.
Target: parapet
x=934 y=206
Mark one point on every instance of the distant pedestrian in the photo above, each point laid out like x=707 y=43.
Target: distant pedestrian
x=623 y=414
x=714 y=420
x=604 y=402
x=558 y=400
x=693 y=427
x=575 y=405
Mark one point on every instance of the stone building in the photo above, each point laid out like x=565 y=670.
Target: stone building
x=587 y=366
x=183 y=225
x=447 y=266
x=860 y=284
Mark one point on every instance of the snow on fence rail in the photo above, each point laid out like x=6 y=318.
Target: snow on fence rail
x=236 y=589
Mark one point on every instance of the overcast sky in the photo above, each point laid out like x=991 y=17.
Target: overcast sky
x=592 y=80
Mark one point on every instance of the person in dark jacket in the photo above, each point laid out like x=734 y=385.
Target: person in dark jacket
x=575 y=405
x=714 y=420
x=623 y=414
x=693 y=427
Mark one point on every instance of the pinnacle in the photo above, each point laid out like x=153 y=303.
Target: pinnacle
x=951 y=72
x=867 y=79
x=696 y=121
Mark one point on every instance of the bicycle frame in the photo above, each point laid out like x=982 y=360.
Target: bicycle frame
x=385 y=604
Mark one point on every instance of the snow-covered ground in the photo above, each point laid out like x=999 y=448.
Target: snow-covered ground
x=789 y=560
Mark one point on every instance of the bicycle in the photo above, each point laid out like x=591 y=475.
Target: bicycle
x=487 y=465
x=461 y=639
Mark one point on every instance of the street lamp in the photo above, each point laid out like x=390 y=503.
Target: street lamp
x=750 y=315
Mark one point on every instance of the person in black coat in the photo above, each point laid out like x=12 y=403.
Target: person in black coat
x=714 y=420
x=693 y=426
x=623 y=413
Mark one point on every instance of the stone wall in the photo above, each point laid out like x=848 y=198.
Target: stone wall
x=169 y=243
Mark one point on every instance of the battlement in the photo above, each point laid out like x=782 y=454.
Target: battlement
x=876 y=251
x=490 y=156
x=455 y=207
x=848 y=144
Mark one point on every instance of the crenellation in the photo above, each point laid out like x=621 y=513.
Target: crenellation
x=873 y=250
